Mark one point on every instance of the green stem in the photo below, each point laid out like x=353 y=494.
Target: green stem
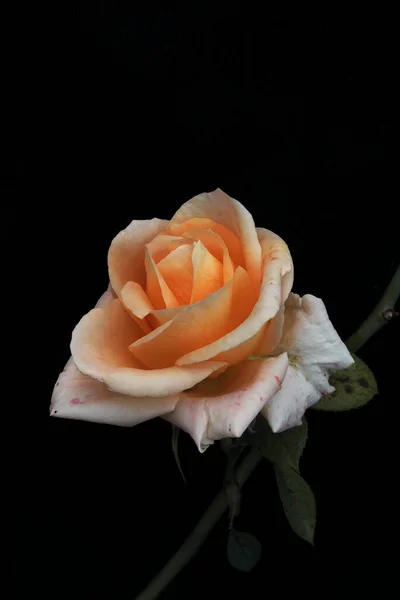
x=380 y=316
x=200 y=532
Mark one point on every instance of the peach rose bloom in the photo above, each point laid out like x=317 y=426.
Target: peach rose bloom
x=192 y=303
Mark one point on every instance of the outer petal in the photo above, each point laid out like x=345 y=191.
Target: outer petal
x=77 y=396
x=127 y=251
x=106 y=298
x=277 y=280
x=223 y=209
x=225 y=407
x=315 y=350
x=101 y=340
x=273 y=334
x=99 y=349
x=275 y=250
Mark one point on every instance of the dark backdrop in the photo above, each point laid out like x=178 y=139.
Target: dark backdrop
x=294 y=116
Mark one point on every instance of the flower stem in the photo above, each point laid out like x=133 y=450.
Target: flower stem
x=382 y=314
x=200 y=532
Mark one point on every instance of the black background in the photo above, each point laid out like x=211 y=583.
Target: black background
x=294 y=115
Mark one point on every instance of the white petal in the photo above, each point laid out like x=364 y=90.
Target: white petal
x=315 y=350
x=225 y=406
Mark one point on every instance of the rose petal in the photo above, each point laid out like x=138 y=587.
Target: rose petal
x=277 y=278
x=245 y=349
x=163 y=244
x=272 y=334
x=126 y=253
x=77 y=396
x=100 y=349
x=105 y=298
x=177 y=270
x=198 y=324
x=136 y=301
x=157 y=289
x=315 y=350
x=275 y=253
x=222 y=209
x=196 y=224
x=160 y=382
x=100 y=341
x=289 y=404
x=217 y=247
x=207 y=273
x=160 y=317
x=225 y=407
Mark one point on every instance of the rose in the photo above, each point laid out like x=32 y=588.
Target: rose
x=192 y=303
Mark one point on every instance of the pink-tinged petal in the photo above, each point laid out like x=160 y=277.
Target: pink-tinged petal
x=223 y=209
x=225 y=407
x=177 y=270
x=157 y=289
x=77 y=396
x=136 y=301
x=272 y=334
x=163 y=244
x=287 y=407
x=126 y=253
x=277 y=260
x=277 y=277
x=100 y=349
x=198 y=324
x=315 y=350
x=207 y=273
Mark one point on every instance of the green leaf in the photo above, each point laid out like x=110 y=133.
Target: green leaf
x=270 y=444
x=294 y=440
x=355 y=387
x=244 y=550
x=175 y=439
x=283 y=449
x=298 y=502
